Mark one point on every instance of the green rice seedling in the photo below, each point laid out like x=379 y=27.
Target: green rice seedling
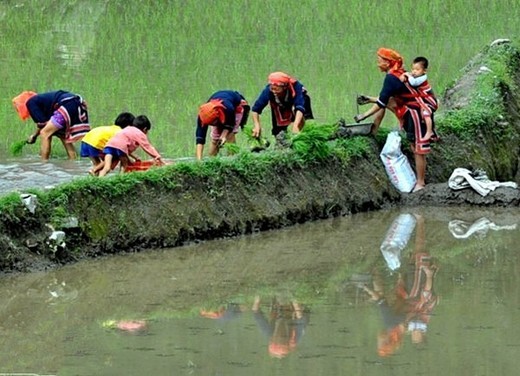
x=17 y=148
x=313 y=141
x=231 y=148
x=256 y=144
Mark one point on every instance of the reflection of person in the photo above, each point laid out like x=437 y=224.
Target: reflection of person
x=224 y=313
x=95 y=140
x=401 y=99
x=417 y=288
x=121 y=146
x=289 y=103
x=225 y=112
x=284 y=326
x=409 y=309
x=56 y=113
x=129 y=326
x=389 y=340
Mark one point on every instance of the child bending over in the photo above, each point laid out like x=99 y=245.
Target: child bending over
x=121 y=146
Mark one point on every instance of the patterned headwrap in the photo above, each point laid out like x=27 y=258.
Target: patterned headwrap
x=211 y=111
x=282 y=79
x=392 y=56
x=20 y=104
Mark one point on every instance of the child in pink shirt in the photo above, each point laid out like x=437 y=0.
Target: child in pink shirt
x=121 y=146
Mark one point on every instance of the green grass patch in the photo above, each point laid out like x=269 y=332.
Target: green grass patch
x=17 y=148
x=495 y=70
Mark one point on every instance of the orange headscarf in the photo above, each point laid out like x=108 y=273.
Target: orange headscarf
x=392 y=56
x=211 y=111
x=20 y=104
x=282 y=79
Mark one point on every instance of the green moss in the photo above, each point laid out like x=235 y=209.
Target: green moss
x=59 y=214
x=10 y=204
x=12 y=213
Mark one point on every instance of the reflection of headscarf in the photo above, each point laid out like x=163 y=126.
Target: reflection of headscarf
x=211 y=111
x=393 y=57
x=282 y=79
x=20 y=104
x=212 y=314
x=390 y=341
x=280 y=350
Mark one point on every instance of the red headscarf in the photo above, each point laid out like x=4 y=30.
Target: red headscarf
x=394 y=58
x=282 y=79
x=20 y=104
x=211 y=111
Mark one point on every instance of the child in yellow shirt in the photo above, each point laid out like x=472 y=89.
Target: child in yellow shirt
x=94 y=141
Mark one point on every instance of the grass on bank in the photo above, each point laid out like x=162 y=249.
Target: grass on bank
x=493 y=71
x=314 y=143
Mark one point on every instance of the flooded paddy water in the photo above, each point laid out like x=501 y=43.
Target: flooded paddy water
x=411 y=291
x=19 y=174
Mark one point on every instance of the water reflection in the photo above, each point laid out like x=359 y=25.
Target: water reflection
x=243 y=306
x=280 y=318
x=60 y=292
x=461 y=229
x=283 y=323
x=128 y=326
x=224 y=313
x=407 y=308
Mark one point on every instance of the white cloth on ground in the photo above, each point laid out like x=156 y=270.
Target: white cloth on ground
x=478 y=180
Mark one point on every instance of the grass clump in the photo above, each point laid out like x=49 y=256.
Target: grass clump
x=9 y=204
x=16 y=148
x=312 y=143
x=494 y=77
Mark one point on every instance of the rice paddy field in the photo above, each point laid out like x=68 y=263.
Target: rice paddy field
x=165 y=58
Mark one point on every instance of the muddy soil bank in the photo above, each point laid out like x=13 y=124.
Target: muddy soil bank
x=196 y=208
x=182 y=206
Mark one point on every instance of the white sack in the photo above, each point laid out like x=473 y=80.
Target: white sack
x=396 y=164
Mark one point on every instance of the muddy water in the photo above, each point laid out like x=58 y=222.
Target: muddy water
x=316 y=299
x=20 y=174
x=17 y=175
